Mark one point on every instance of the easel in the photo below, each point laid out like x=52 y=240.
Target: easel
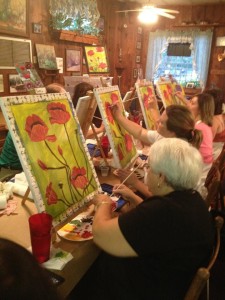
x=25 y=197
x=88 y=122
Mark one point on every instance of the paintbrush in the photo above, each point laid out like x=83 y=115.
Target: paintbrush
x=122 y=102
x=133 y=170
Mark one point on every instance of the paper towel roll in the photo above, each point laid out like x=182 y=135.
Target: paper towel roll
x=3 y=201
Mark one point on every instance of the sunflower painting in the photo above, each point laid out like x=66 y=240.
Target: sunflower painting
x=121 y=142
x=146 y=96
x=166 y=92
x=53 y=153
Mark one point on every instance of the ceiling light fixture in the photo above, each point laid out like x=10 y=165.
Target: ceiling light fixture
x=148 y=15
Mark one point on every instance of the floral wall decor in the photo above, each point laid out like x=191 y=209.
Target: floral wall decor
x=53 y=153
x=121 y=142
x=29 y=76
x=96 y=59
x=146 y=94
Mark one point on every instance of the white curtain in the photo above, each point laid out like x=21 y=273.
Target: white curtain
x=201 y=43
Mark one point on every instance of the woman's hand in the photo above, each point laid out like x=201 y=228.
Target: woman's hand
x=116 y=110
x=125 y=192
x=101 y=198
x=124 y=173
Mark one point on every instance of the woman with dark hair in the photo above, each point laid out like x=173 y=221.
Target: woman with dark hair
x=81 y=90
x=21 y=277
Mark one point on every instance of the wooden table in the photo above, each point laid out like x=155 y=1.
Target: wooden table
x=16 y=228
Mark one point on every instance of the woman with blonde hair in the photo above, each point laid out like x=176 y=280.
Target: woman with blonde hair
x=218 y=125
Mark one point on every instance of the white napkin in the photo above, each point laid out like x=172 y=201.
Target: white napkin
x=58 y=260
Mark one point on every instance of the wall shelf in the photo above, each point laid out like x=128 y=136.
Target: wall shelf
x=73 y=36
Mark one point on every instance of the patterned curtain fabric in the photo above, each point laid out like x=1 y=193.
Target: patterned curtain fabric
x=200 y=44
x=74 y=14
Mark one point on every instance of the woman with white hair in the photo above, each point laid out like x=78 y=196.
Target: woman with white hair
x=153 y=250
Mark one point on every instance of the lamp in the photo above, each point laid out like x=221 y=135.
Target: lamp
x=220 y=42
x=148 y=15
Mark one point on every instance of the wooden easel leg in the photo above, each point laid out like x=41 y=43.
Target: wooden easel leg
x=25 y=196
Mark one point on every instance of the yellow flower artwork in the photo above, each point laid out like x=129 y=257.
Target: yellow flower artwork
x=122 y=144
x=96 y=59
x=145 y=95
x=55 y=152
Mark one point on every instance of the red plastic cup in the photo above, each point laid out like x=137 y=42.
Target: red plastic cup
x=40 y=234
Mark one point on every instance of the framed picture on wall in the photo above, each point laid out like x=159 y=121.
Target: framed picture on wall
x=135 y=73
x=37 y=28
x=139 y=30
x=138 y=46
x=46 y=57
x=74 y=60
x=96 y=59
x=1 y=84
x=14 y=20
x=101 y=24
x=138 y=58
x=16 y=85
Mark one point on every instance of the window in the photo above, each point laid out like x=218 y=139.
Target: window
x=193 y=68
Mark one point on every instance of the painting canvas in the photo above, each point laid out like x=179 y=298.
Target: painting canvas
x=145 y=92
x=14 y=17
x=16 y=84
x=121 y=142
x=46 y=57
x=166 y=93
x=53 y=153
x=29 y=76
x=178 y=88
x=96 y=59
x=74 y=60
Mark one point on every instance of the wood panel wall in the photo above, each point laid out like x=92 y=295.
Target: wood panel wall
x=121 y=32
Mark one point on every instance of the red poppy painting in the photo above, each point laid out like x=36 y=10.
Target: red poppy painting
x=121 y=142
x=166 y=92
x=53 y=152
x=147 y=100
x=96 y=59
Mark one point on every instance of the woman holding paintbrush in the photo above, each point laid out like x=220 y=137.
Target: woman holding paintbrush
x=175 y=121
x=153 y=251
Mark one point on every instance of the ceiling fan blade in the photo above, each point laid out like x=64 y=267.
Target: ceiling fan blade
x=128 y=10
x=167 y=10
x=164 y=14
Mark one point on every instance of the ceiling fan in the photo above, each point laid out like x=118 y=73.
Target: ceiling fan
x=150 y=13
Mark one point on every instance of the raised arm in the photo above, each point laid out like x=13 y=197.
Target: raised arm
x=134 y=129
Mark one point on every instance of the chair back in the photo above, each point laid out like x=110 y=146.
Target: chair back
x=213 y=183
x=202 y=275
